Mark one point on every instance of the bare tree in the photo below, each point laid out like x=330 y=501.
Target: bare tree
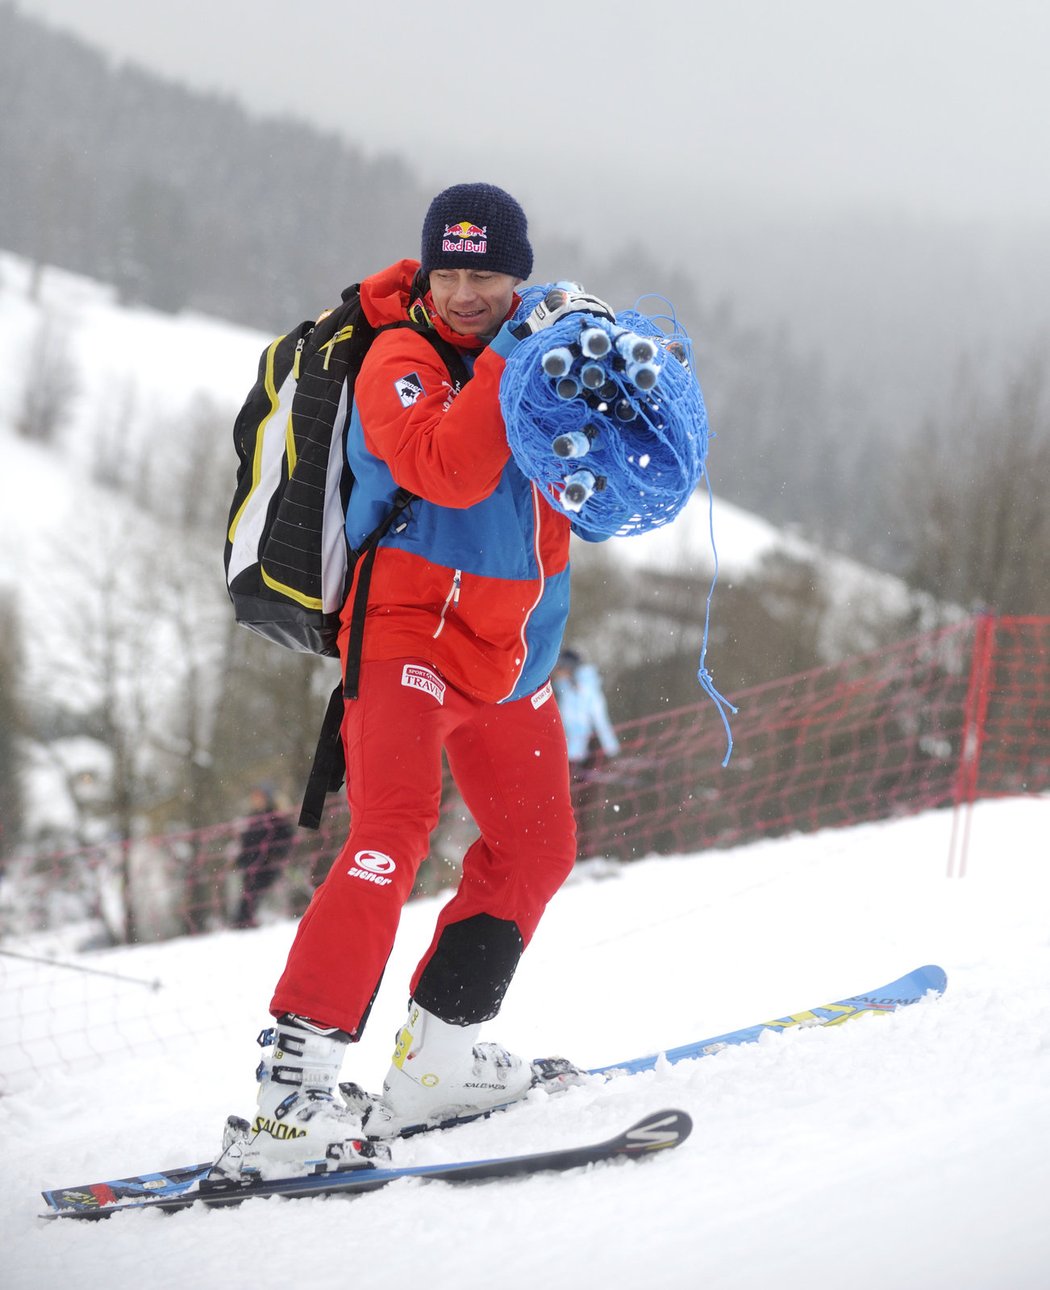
x=115 y=418
x=50 y=383
x=134 y=679
x=10 y=729
x=974 y=495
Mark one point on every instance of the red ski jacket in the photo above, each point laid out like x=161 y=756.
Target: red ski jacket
x=477 y=581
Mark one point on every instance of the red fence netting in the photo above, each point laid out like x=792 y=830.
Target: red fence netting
x=938 y=720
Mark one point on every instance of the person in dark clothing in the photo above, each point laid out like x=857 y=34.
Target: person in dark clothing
x=265 y=844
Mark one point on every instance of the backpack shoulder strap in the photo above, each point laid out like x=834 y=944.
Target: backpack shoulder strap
x=365 y=553
x=329 y=766
x=447 y=352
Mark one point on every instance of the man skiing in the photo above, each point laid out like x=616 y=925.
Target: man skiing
x=466 y=608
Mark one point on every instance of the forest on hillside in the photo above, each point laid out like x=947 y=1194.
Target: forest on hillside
x=186 y=202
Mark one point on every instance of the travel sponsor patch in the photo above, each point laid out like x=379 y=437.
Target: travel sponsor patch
x=422 y=678
x=372 y=866
x=542 y=695
x=408 y=389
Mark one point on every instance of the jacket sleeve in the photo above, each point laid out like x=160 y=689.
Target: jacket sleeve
x=449 y=449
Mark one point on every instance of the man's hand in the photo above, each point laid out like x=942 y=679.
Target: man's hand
x=558 y=302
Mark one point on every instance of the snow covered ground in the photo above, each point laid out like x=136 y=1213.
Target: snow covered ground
x=909 y=1151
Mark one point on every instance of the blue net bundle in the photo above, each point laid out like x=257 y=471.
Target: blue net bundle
x=607 y=418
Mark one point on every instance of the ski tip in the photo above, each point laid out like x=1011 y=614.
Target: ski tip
x=933 y=977
x=657 y=1132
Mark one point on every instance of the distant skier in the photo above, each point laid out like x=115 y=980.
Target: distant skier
x=590 y=737
x=584 y=711
x=265 y=844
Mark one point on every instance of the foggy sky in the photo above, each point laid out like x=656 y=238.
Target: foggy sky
x=932 y=108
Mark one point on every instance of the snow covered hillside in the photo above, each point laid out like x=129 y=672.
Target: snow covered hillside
x=900 y=1151
x=136 y=377
x=134 y=373
x=65 y=535
x=167 y=359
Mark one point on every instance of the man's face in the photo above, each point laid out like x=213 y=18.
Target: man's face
x=472 y=301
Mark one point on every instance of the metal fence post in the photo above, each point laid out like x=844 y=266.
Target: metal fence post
x=974 y=715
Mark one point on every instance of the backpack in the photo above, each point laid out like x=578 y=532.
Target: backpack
x=288 y=563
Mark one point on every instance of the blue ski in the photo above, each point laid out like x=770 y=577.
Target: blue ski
x=898 y=994
x=175 y=1184
x=654 y=1133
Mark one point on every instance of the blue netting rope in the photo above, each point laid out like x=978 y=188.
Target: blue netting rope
x=609 y=420
x=707 y=683
x=613 y=408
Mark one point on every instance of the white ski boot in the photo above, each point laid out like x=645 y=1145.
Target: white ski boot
x=440 y=1075
x=301 y=1125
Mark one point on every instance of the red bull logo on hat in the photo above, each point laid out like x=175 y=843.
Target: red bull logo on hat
x=465 y=236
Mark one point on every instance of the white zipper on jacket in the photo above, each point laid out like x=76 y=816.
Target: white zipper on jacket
x=452 y=599
x=536 y=504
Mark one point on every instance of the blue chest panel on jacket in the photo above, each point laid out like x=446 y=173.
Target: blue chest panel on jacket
x=485 y=539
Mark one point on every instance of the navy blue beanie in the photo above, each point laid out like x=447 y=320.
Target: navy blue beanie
x=476 y=226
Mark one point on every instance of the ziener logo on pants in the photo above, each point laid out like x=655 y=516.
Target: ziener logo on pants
x=372 y=866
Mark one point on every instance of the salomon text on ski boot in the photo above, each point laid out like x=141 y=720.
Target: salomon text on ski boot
x=301 y=1125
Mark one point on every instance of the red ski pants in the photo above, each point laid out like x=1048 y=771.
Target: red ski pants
x=510 y=764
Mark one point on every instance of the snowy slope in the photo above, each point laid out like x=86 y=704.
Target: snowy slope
x=905 y=1151
x=138 y=374
x=164 y=358
x=167 y=359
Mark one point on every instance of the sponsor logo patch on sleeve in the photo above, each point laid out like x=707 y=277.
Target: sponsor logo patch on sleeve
x=408 y=389
x=542 y=695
